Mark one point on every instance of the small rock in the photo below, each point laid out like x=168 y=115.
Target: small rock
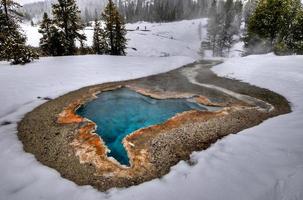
x=5 y=123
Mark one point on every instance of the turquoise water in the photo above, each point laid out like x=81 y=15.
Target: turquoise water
x=120 y=112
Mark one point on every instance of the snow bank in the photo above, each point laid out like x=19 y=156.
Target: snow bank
x=264 y=162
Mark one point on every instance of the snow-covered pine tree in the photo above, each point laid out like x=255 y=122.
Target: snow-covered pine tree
x=12 y=41
x=114 y=30
x=99 y=43
x=67 y=17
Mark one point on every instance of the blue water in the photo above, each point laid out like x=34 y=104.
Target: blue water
x=120 y=112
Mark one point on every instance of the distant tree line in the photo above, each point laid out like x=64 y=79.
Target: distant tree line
x=162 y=10
x=131 y=10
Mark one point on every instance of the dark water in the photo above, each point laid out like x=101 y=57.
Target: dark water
x=121 y=112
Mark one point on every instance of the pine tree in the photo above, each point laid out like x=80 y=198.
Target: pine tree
x=275 y=26
x=296 y=43
x=267 y=19
x=120 y=40
x=228 y=30
x=12 y=41
x=67 y=17
x=238 y=11
x=56 y=45
x=249 y=9
x=212 y=27
x=45 y=31
x=290 y=34
x=99 y=43
x=51 y=41
x=114 y=30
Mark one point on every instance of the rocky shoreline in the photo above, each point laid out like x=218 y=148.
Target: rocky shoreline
x=66 y=142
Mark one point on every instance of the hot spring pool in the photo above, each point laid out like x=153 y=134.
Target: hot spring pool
x=120 y=112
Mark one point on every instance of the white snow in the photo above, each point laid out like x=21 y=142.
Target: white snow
x=33 y=36
x=163 y=39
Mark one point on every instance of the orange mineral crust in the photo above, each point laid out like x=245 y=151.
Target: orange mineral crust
x=68 y=115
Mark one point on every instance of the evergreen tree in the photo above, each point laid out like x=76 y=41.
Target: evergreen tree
x=212 y=27
x=274 y=26
x=52 y=37
x=223 y=24
x=114 y=30
x=228 y=28
x=267 y=19
x=295 y=38
x=120 y=40
x=99 y=42
x=12 y=41
x=45 y=31
x=56 y=45
x=238 y=12
x=249 y=9
x=290 y=34
x=67 y=17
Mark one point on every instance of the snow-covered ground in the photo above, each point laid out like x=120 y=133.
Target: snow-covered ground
x=264 y=162
x=181 y=38
x=161 y=39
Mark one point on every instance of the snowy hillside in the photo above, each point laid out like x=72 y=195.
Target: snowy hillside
x=160 y=39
